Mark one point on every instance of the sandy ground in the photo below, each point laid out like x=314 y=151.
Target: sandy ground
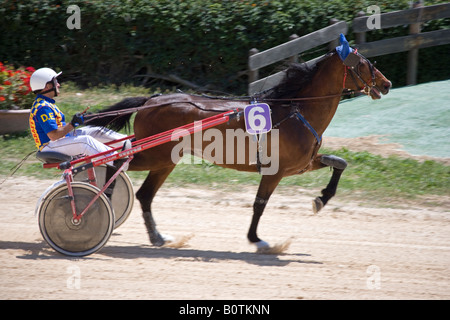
x=375 y=144
x=350 y=250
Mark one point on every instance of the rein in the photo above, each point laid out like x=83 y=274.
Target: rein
x=118 y=113
x=93 y=116
x=365 y=90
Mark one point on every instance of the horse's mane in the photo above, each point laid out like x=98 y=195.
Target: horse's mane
x=297 y=76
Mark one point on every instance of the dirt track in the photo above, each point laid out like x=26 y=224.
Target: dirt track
x=347 y=251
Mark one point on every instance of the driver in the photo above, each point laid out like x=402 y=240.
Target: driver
x=50 y=130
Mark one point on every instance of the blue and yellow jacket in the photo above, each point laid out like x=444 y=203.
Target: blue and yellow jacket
x=44 y=117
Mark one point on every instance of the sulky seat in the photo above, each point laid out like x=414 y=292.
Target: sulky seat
x=52 y=157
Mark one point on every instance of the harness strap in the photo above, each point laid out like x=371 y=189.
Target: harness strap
x=306 y=123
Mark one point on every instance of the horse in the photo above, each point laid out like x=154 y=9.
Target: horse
x=302 y=106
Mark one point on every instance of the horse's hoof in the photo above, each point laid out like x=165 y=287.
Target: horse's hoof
x=167 y=238
x=261 y=246
x=317 y=205
x=157 y=240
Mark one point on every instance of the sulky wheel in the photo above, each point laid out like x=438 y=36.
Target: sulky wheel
x=75 y=238
x=122 y=198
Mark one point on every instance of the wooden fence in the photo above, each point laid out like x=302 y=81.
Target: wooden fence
x=411 y=43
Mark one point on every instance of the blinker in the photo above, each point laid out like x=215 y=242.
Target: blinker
x=352 y=60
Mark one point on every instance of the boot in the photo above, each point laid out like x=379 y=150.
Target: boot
x=118 y=162
x=110 y=170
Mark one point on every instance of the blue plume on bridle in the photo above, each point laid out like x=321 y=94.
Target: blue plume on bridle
x=344 y=49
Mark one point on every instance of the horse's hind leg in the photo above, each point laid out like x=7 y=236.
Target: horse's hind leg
x=145 y=195
x=338 y=165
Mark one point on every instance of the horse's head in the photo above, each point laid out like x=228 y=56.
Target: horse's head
x=360 y=73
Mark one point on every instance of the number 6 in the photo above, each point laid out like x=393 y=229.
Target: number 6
x=257 y=118
x=253 y=117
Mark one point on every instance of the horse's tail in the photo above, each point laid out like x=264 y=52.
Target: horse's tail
x=116 y=120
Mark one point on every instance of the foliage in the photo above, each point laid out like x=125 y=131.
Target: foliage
x=203 y=41
x=15 y=91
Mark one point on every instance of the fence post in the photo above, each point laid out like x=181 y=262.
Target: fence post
x=253 y=75
x=333 y=44
x=294 y=58
x=360 y=37
x=414 y=28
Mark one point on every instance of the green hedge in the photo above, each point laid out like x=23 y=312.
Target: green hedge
x=205 y=42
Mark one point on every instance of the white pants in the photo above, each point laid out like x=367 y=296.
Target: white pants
x=87 y=141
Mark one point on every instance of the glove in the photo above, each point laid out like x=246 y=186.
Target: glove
x=77 y=120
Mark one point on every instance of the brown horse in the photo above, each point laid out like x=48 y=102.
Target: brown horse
x=302 y=107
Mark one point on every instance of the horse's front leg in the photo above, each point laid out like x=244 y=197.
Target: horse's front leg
x=266 y=187
x=338 y=165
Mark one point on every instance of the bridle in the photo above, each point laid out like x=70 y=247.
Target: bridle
x=352 y=63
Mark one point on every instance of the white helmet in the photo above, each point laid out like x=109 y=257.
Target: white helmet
x=41 y=76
